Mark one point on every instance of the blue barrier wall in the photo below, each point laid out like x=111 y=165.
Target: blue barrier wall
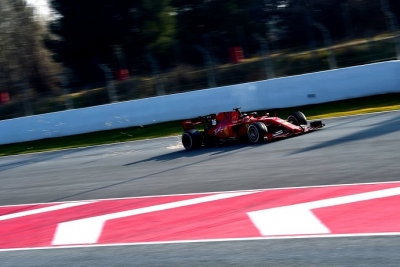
x=291 y=91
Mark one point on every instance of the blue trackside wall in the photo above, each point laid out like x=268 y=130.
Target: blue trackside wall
x=291 y=91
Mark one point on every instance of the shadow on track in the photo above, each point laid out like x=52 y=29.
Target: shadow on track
x=216 y=152
x=222 y=150
x=39 y=157
x=112 y=152
x=351 y=119
x=378 y=129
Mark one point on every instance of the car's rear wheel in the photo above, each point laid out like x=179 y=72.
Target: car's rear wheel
x=191 y=139
x=256 y=132
x=297 y=118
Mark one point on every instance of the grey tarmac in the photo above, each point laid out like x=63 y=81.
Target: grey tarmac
x=356 y=149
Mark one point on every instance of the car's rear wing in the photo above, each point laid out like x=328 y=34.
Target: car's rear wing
x=189 y=124
x=208 y=121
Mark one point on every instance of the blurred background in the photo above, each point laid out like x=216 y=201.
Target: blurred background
x=66 y=54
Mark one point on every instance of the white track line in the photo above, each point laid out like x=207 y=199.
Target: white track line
x=88 y=230
x=298 y=219
x=42 y=210
x=210 y=240
x=204 y=193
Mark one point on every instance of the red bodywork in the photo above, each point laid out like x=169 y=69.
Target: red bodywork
x=233 y=125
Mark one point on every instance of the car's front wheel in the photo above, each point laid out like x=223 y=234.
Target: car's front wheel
x=191 y=139
x=297 y=118
x=256 y=132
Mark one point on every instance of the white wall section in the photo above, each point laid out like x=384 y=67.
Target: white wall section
x=313 y=88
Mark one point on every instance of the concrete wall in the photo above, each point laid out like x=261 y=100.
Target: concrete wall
x=275 y=93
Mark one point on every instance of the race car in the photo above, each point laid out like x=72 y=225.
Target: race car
x=235 y=125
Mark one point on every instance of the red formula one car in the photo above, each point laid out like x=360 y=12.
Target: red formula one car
x=235 y=125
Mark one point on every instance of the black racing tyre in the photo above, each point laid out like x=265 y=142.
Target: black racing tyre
x=297 y=118
x=256 y=132
x=191 y=139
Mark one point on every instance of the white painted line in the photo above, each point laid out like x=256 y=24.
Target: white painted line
x=287 y=221
x=298 y=219
x=42 y=210
x=207 y=193
x=209 y=241
x=88 y=230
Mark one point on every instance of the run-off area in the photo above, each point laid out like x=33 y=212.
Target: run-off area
x=265 y=213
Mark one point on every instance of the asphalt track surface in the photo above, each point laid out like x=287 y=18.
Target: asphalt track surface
x=357 y=149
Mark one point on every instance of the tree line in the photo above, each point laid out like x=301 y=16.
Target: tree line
x=24 y=61
x=128 y=34
x=136 y=34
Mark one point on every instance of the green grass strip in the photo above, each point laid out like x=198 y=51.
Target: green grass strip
x=377 y=103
